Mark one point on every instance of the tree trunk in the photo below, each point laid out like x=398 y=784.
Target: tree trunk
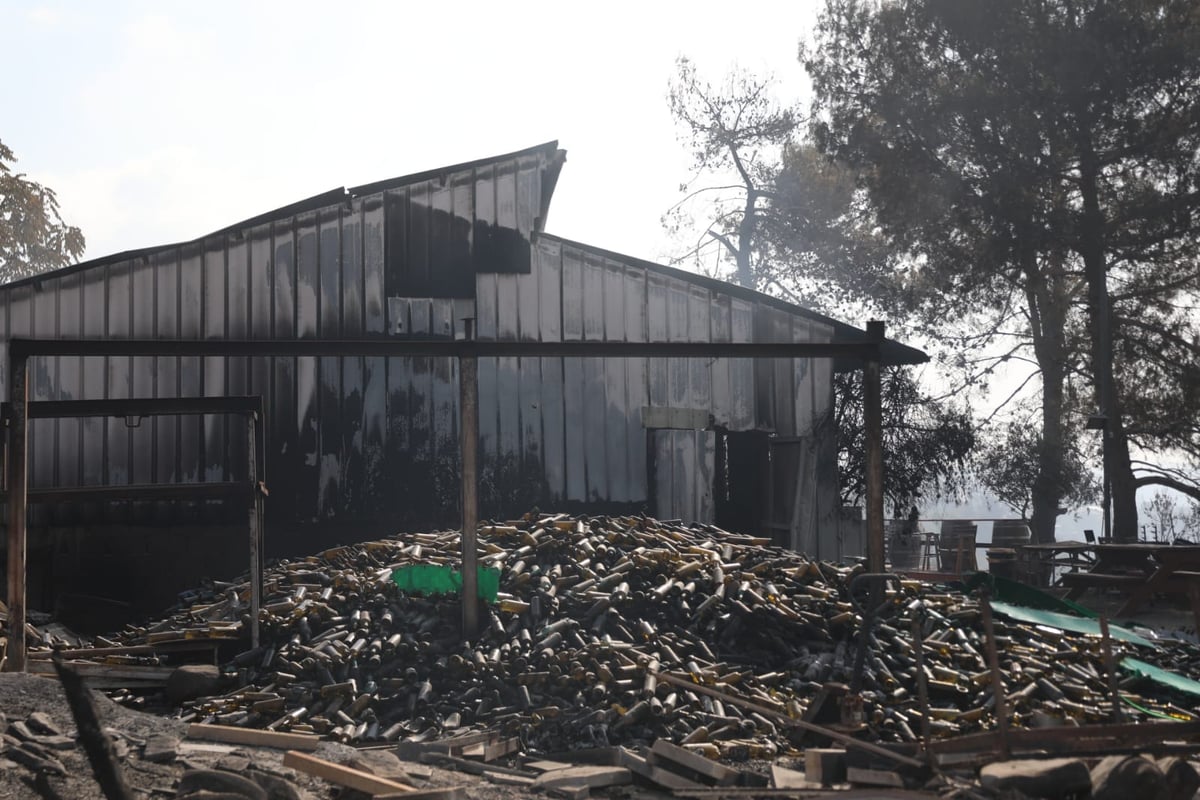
x=745 y=274
x=1123 y=484
x=1045 y=294
x=1090 y=246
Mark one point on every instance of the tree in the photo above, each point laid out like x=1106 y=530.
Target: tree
x=1161 y=510
x=928 y=444
x=742 y=140
x=735 y=132
x=33 y=237
x=1017 y=156
x=1009 y=466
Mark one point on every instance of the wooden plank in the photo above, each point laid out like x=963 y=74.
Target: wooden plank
x=657 y=775
x=472 y=767
x=874 y=777
x=87 y=669
x=595 y=777
x=281 y=741
x=782 y=778
x=666 y=751
x=495 y=750
x=343 y=775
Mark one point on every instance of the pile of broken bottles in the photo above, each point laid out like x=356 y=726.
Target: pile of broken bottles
x=593 y=611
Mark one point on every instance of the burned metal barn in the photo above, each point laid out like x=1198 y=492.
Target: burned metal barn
x=358 y=447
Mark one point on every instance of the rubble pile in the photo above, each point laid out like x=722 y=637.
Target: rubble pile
x=596 y=616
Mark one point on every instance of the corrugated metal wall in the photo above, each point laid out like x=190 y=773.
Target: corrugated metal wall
x=581 y=420
x=376 y=440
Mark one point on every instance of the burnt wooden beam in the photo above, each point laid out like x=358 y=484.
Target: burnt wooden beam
x=873 y=423
x=16 y=461
x=141 y=407
x=468 y=410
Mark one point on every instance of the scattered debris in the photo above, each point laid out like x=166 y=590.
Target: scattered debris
x=649 y=650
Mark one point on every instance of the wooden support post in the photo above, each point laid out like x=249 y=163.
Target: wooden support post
x=255 y=532
x=18 y=398
x=918 y=641
x=873 y=424
x=1110 y=669
x=468 y=411
x=1001 y=709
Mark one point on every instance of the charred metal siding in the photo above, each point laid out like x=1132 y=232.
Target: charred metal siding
x=577 y=425
x=370 y=445
x=350 y=438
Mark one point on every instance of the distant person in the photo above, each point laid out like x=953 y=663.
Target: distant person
x=912 y=523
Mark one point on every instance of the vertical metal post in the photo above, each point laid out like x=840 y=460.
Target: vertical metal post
x=255 y=541
x=18 y=398
x=873 y=424
x=468 y=419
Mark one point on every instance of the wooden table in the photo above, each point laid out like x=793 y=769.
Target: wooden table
x=1037 y=561
x=1143 y=570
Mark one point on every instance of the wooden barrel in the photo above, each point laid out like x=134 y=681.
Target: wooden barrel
x=1011 y=533
x=1002 y=561
x=957 y=535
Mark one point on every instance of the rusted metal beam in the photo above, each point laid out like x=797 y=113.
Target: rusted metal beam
x=446 y=348
x=17 y=460
x=873 y=423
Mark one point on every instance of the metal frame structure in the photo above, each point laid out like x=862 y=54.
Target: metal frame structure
x=467 y=351
x=250 y=407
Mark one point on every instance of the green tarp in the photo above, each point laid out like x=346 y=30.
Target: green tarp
x=428 y=579
x=1162 y=676
x=1066 y=622
x=1022 y=594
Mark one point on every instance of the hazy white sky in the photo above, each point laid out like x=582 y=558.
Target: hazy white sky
x=158 y=122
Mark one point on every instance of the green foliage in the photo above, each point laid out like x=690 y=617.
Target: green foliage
x=1007 y=465
x=33 y=237
x=1018 y=158
x=926 y=443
